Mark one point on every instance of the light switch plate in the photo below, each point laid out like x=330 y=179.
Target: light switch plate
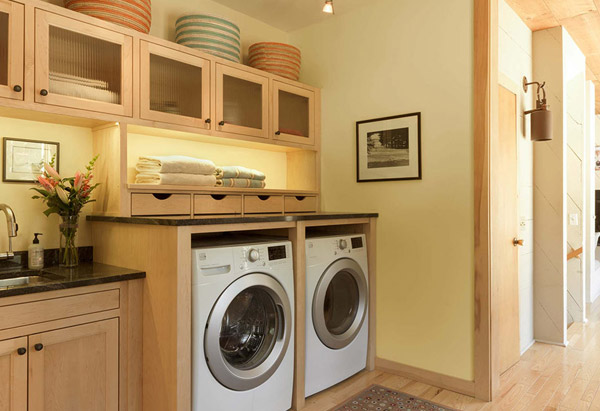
x=574 y=219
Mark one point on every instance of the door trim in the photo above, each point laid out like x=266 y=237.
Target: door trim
x=332 y=341
x=229 y=376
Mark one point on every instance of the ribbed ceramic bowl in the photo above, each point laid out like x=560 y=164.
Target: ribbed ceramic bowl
x=211 y=34
x=277 y=58
x=134 y=14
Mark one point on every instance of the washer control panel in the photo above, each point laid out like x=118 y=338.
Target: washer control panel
x=262 y=256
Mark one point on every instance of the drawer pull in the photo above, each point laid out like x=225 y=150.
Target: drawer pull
x=22 y=351
x=264 y=198
x=17 y=88
x=300 y=198
x=161 y=196
x=44 y=92
x=39 y=347
x=218 y=197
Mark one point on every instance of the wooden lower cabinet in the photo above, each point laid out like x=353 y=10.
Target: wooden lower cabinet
x=13 y=374
x=75 y=368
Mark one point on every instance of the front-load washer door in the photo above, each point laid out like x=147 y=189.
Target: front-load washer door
x=340 y=303
x=248 y=332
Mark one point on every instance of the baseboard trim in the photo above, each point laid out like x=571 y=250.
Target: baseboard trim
x=428 y=377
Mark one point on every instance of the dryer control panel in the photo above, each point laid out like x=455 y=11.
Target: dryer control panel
x=258 y=256
x=338 y=246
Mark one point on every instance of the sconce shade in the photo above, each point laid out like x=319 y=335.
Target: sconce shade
x=541 y=125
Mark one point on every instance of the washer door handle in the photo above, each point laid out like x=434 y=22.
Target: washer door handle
x=281 y=331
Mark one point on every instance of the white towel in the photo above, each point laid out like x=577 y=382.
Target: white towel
x=179 y=179
x=175 y=164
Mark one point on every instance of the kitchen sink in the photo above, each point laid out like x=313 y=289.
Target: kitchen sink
x=26 y=278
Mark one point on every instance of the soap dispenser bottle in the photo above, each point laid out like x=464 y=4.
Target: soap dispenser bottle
x=36 y=254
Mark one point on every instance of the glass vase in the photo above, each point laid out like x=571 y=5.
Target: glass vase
x=68 y=255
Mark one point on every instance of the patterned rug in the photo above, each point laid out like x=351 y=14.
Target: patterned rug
x=378 y=398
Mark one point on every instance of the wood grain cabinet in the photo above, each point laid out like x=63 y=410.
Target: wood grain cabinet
x=242 y=102
x=82 y=66
x=12 y=22
x=75 y=368
x=175 y=86
x=293 y=113
x=13 y=374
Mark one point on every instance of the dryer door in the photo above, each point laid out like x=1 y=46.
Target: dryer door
x=340 y=303
x=248 y=332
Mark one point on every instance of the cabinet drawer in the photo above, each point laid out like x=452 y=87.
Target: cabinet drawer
x=54 y=309
x=263 y=204
x=160 y=204
x=217 y=204
x=300 y=204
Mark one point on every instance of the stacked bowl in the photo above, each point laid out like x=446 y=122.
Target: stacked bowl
x=134 y=14
x=211 y=34
x=276 y=58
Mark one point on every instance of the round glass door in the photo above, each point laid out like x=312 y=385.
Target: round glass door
x=248 y=332
x=340 y=303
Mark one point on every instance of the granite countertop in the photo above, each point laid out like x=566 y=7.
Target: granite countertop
x=57 y=278
x=212 y=220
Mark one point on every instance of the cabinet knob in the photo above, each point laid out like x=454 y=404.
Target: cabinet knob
x=44 y=92
x=21 y=351
x=222 y=123
x=39 y=347
x=17 y=88
x=277 y=133
x=207 y=121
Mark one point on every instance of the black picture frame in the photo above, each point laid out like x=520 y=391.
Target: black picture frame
x=418 y=175
x=5 y=153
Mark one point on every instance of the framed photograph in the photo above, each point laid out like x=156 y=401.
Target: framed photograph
x=24 y=159
x=389 y=148
x=597 y=158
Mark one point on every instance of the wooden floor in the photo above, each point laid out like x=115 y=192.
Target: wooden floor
x=548 y=377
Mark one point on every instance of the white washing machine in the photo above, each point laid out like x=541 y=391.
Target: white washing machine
x=336 y=310
x=243 y=327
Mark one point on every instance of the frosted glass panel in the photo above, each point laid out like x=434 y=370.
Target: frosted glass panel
x=4 y=49
x=293 y=114
x=83 y=66
x=242 y=102
x=175 y=87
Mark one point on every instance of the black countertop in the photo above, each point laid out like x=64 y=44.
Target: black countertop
x=212 y=220
x=57 y=278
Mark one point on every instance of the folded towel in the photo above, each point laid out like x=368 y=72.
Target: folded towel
x=180 y=179
x=175 y=164
x=240 y=183
x=239 y=172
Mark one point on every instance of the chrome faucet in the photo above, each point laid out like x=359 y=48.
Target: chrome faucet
x=13 y=227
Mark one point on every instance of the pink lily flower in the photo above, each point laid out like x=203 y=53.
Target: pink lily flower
x=45 y=183
x=62 y=194
x=51 y=171
x=78 y=181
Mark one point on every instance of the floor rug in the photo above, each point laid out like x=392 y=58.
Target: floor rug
x=378 y=398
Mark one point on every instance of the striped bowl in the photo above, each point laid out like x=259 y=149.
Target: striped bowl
x=133 y=14
x=211 y=34
x=276 y=58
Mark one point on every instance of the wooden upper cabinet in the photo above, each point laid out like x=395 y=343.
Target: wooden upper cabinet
x=13 y=374
x=75 y=368
x=175 y=86
x=12 y=30
x=242 y=102
x=293 y=113
x=82 y=66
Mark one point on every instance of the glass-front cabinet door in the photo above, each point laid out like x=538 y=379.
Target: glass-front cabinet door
x=175 y=86
x=12 y=22
x=293 y=113
x=242 y=102
x=82 y=66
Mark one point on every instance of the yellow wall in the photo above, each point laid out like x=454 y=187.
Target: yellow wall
x=75 y=152
x=273 y=164
x=393 y=57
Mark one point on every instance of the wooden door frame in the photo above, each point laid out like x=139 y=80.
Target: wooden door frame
x=485 y=109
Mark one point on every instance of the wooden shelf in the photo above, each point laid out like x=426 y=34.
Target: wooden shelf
x=157 y=188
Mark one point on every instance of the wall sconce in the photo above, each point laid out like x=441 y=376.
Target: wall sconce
x=328 y=8
x=541 y=116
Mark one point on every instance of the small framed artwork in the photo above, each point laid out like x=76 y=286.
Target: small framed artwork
x=389 y=148
x=597 y=158
x=24 y=159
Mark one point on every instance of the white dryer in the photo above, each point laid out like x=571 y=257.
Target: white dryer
x=243 y=327
x=336 y=310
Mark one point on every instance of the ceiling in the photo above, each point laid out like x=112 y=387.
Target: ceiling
x=581 y=18
x=290 y=15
